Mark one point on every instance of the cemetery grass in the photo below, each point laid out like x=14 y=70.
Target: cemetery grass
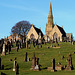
x=45 y=59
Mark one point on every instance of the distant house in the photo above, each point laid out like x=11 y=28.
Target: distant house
x=34 y=33
x=69 y=37
x=15 y=37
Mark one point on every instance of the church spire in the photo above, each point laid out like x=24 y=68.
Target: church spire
x=50 y=11
x=50 y=16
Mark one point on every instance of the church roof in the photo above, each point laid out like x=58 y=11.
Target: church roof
x=62 y=31
x=38 y=30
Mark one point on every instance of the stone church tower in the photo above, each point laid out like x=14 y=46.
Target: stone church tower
x=49 y=25
x=53 y=32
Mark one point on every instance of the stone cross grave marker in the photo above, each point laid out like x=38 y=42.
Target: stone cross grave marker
x=69 y=64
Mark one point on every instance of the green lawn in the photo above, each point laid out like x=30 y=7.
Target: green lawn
x=45 y=59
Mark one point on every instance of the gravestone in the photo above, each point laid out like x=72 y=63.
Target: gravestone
x=63 y=57
x=17 y=49
x=8 y=49
x=17 y=70
x=3 y=73
x=25 y=57
x=14 y=66
x=0 y=63
x=2 y=67
x=20 y=45
x=69 y=64
x=28 y=59
x=3 y=52
x=47 y=47
x=72 y=43
x=37 y=64
x=33 y=61
x=51 y=45
x=29 y=46
x=59 y=67
x=26 y=43
x=37 y=61
x=37 y=67
x=37 y=46
x=15 y=58
x=40 y=46
x=52 y=69
x=73 y=52
x=53 y=65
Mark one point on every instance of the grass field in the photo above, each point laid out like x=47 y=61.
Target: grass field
x=45 y=59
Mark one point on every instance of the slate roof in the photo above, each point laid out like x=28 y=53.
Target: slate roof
x=38 y=31
x=62 y=31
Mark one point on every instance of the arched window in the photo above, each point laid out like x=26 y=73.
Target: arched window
x=55 y=36
x=32 y=36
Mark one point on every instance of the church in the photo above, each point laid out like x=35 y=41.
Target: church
x=53 y=32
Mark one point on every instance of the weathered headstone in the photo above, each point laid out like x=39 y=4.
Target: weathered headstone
x=72 y=43
x=37 y=67
x=2 y=67
x=26 y=44
x=3 y=73
x=37 y=61
x=37 y=46
x=33 y=61
x=40 y=46
x=47 y=47
x=63 y=57
x=17 y=70
x=14 y=66
x=25 y=57
x=0 y=63
x=3 y=52
x=52 y=69
x=15 y=58
x=69 y=65
x=20 y=45
x=29 y=46
x=8 y=49
x=53 y=65
x=51 y=45
x=37 y=64
x=28 y=59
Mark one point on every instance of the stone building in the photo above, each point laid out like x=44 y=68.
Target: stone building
x=15 y=37
x=53 y=31
x=69 y=37
x=34 y=33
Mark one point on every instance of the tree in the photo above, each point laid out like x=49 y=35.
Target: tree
x=21 y=28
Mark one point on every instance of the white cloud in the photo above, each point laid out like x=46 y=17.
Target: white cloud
x=24 y=8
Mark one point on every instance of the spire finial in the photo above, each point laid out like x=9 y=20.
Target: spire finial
x=50 y=10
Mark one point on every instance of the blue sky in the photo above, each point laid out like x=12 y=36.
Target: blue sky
x=36 y=12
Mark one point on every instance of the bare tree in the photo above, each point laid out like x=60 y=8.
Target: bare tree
x=21 y=28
